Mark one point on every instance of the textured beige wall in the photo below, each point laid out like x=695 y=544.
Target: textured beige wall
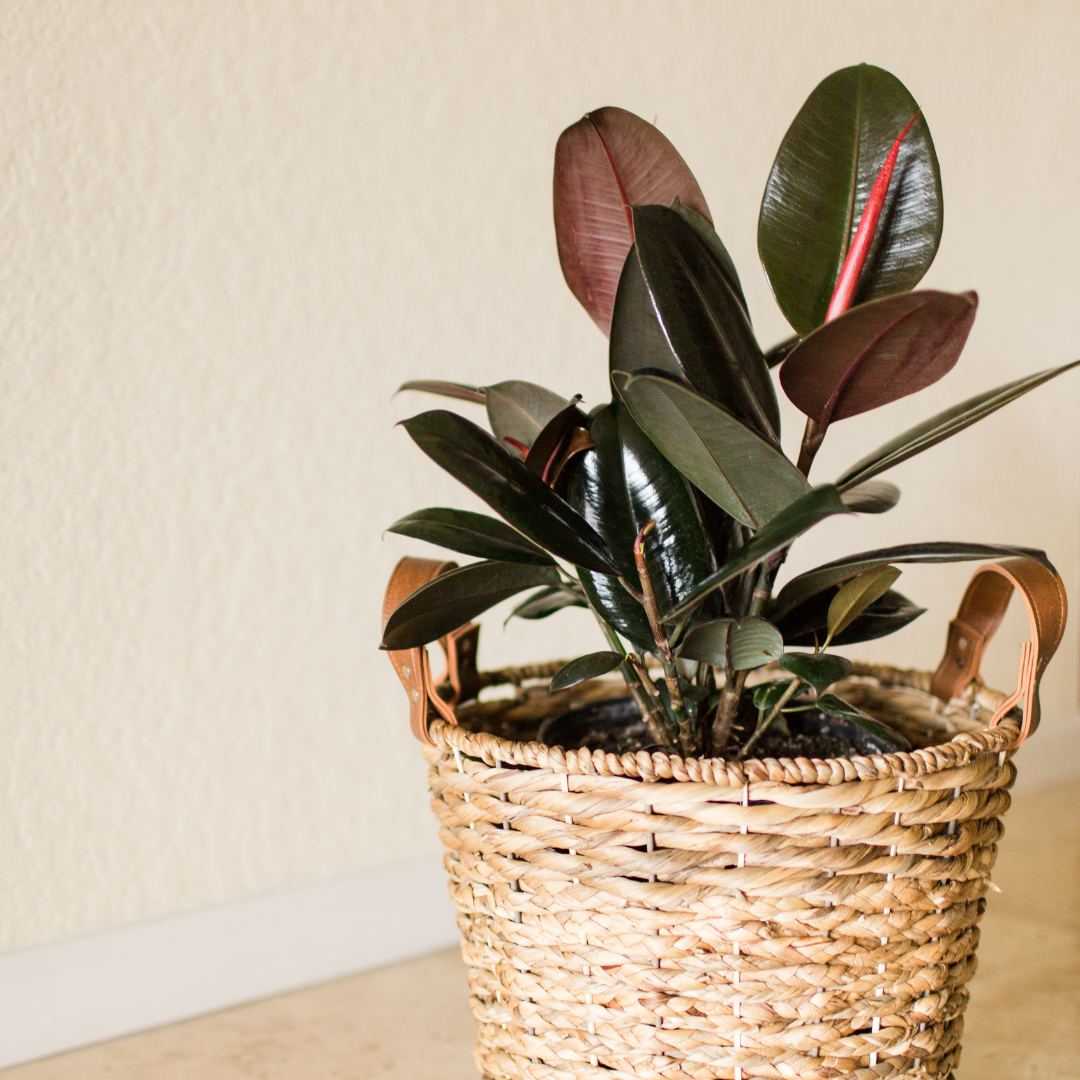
x=229 y=230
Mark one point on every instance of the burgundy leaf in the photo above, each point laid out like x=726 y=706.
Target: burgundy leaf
x=552 y=440
x=877 y=352
x=607 y=162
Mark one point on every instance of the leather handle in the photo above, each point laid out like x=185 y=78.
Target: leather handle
x=461 y=682
x=981 y=611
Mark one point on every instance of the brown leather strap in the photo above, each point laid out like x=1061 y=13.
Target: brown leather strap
x=980 y=614
x=461 y=681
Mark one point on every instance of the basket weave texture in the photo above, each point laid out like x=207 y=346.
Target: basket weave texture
x=641 y=916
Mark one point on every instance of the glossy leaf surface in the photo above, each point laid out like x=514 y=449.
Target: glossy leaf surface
x=871 y=497
x=452 y=599
x=823 y=173
x=877 y=353
x=820 y=670
x=930 y=432
x=471 y=455
x=607 y=162
x=519 y=410
x=460 y=391
x=704 y=333
x=619 y=488
x=585 y=667
x=545 y=602
x=737 y=469
x=742 y=645
x=807 y=624
x=704 y=228
x=831 y=705
x=856 y=595
x=471 y=534
x=618 y=608
x=801 y=515
x=801 y=588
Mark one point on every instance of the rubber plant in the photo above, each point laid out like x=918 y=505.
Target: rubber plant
x=669 y=510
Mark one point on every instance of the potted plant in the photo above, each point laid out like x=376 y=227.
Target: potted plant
x=750 y=857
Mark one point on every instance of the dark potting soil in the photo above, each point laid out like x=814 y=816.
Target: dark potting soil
x=616 y=727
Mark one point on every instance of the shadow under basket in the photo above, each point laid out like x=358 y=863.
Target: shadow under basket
x=645 y=917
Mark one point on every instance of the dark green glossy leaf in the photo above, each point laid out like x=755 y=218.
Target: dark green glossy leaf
x=806 y=624
x=831 y=705
x=618 y=608
x=704 y=228
x=870 y=497
x=607 y=162
x=738 y=470
x=820 y=180
x=471 y=534
x=877 y=353
x=801 y=515
x=547 y=601
x=471 y=455
x=452 y=599
x=930 y=432
x=461 y=391
x=744 y=645
x=820 y=670
x=518 y=410
x=585 y=667
x=684 y=317
x=619 y=488
x=775 y=356
x=801 y=588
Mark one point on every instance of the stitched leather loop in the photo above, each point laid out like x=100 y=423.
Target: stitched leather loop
x=461 y=681
x=981 y=611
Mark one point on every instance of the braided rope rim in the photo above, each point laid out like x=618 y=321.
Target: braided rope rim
x=976 y=702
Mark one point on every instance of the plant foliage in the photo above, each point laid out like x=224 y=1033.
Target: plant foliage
x=669 y=511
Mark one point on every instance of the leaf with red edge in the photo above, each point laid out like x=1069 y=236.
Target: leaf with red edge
x=607 y=162
x=518 y=410
x=848 y=278
x=820 y=182
x=877 y=353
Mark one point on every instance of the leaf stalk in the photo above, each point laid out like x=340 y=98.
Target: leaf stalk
x=663 y=647
x=763 y=724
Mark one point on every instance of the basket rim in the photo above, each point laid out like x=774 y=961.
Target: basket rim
x=718 y=772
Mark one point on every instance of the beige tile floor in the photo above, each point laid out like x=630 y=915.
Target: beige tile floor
x=411 y=1021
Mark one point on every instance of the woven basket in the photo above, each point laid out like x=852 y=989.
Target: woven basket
x=641 y=916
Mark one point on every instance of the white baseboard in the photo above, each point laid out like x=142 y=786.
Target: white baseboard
x=68 y=994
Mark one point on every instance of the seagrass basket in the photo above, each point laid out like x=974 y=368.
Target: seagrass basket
x=641 y=916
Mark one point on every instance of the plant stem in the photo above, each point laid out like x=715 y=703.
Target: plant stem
x=762 y=589
x=656 y=716
x=663 y=646
x=636 y=681
x=811 y=443
x=727 y=710
x=763 y=725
